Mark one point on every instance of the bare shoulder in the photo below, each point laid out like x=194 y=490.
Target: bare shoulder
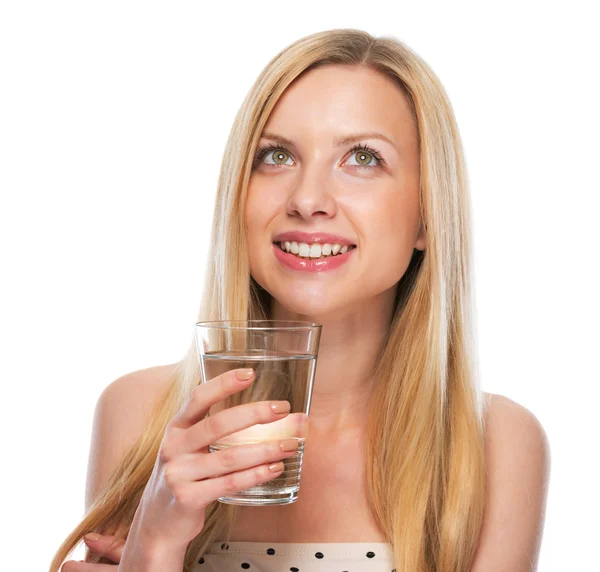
x=130 y=398
x=510 y=421
x=143 y=386
x=517 y=457
x=122 y=413
x=517 y=445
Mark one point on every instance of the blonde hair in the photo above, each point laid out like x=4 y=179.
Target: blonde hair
x=425 y=455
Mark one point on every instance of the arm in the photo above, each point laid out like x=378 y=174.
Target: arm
x=518 y=471
x=143 y=555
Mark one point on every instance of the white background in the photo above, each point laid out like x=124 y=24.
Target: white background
x=113 y=120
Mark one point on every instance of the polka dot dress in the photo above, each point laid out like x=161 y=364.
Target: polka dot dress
x=297 y=557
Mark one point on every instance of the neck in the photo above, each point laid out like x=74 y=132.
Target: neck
x=350 y=345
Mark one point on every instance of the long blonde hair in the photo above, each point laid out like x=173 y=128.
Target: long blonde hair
x=425 y=454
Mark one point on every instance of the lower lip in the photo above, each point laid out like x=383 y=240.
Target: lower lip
x=311 y=264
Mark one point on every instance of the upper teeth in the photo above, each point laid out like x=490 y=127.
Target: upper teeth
x=313 y=250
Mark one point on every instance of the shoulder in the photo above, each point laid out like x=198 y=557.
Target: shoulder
x=516 y=443
x=509 y=424
x=121 y=415
x=517 y=460
x=128 y=401
x=142 y=387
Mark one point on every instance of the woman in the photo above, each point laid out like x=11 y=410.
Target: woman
x=344 y=139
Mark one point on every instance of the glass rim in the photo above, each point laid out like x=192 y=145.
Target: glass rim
x=286 y=325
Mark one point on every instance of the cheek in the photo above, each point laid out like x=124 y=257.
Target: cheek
x=254 y=213
x=385 y=219
x=252 y=223
x=387 y=229
x=263 y=200
x=259 y=212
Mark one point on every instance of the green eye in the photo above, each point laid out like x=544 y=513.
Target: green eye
x=363 y=158
x=366 y=157
x=280 y=155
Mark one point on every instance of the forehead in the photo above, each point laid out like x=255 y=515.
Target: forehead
x=334 y=99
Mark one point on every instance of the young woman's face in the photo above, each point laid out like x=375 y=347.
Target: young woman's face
x=308 y=182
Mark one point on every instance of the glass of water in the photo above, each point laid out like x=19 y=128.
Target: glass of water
x=283 y=355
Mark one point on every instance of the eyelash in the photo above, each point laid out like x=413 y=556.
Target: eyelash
x=264 y=150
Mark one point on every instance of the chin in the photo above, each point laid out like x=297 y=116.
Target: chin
x=308 y=310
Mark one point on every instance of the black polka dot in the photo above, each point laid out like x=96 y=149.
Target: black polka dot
x=270 y=551
x=370 y=554
x=245 y=565
x=224 y=546
x=201 y=561
x=319 y=555
x=294 y=569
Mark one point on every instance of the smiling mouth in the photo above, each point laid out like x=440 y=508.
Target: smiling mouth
x=313 y=251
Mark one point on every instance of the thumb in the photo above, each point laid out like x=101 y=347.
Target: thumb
x=106 y=545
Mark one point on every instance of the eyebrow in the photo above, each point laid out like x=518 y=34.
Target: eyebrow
x=338 y=141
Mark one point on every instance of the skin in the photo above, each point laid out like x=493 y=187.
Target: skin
x=315 y=186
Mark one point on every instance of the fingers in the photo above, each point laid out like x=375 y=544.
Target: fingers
x=207 y=394
x=231 y=459
x=106 y=545
x=203 y=492
x=74 y=566
x=229 y=421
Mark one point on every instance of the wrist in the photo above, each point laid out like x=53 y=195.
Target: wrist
x=144 y=552
x=144 y=555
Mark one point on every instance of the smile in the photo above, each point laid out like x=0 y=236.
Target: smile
x=315 y=250
x=313 y=258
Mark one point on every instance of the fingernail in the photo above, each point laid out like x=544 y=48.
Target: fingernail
x=244 y=374
x=276 y=467
x=289 y=445
x=92 y=537
x=280 y=406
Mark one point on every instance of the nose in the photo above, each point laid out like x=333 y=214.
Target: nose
x=312 y=197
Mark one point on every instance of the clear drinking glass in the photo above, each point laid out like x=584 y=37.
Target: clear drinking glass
x=283 y=355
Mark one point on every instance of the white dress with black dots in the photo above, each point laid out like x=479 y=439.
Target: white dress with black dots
x=297 y=557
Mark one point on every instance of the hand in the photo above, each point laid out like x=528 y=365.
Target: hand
x=110 y=547
x=187 y=477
